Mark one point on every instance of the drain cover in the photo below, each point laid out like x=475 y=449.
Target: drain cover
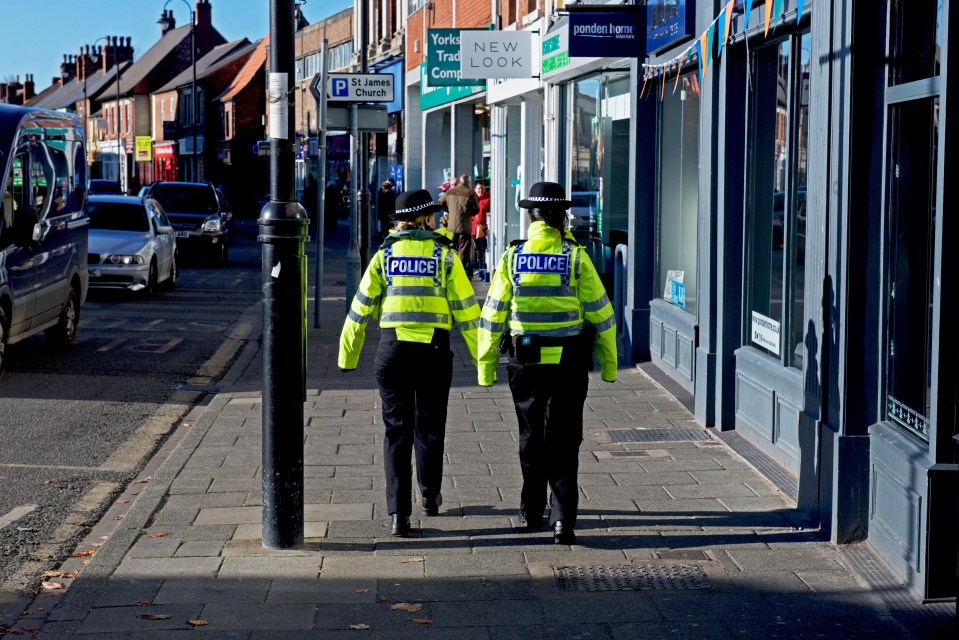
x=677 y=434
x=631 y=578
x=628 y=454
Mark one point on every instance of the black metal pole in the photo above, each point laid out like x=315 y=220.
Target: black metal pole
x=116 y=63
x=196 y=156
x=363 y=195
x=283 y=232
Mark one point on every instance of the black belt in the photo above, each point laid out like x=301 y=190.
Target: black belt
x=440 y=336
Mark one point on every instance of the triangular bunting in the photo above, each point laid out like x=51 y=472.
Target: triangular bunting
x=679 y=71
x=729 y=19
x=799 y=4
x=662 y=92
x=710 y=39
x=701 y=67
x=769 y=9
x=777 y=12
x=748 y=9
x=645 y=81
x=720 y=29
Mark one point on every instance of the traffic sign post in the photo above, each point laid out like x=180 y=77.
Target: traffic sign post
x=319 y=81
x=360 y=87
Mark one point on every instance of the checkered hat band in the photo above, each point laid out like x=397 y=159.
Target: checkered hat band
x=416 y=208
x=545 y=199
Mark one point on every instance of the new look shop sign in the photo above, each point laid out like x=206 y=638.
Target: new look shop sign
x=496 y=54
x=616 y=32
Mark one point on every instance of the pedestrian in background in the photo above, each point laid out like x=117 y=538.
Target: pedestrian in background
x=481 y=226
x=416 y=286
x=331 y=209
x=385 y=207
x=461 y=204
x=548 y=301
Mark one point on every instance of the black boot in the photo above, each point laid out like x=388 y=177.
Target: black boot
x=533 y=521
x=563 y=534
x=400 y=526
x=431 y=506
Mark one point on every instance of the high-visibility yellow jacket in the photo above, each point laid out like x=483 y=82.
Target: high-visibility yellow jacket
x=546 y=285
x=414 y=284
x=443 y=231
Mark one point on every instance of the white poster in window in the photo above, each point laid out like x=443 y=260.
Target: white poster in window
x=673 y=275
x=765 y=332
x=279 y=106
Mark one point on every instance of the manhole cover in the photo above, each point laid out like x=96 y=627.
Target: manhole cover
x=628 y=454
x=677 y=434
x=632 y=578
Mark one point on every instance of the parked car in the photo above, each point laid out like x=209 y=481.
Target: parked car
x=104 y=187
x=199 y=214
x=132 y=245
x=583 y=214
x=43 y=229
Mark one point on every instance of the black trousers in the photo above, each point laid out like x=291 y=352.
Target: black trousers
x=549 y=401
x=414 y=380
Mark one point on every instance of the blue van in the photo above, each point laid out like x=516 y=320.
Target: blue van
x=43 y=229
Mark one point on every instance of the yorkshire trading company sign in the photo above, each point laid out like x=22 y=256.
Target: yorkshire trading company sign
x=668 y=22
x=443 y=58
x=618 y=33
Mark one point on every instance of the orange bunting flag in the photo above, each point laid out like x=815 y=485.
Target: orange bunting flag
x=645 y=80
x=679 y=72
x=769 y=10
x=662 y=91
x=704 y=51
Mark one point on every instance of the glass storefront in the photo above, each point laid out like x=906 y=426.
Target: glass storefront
x=598 y=173
x=677 y=202
x=514 y=164
x=776 y=199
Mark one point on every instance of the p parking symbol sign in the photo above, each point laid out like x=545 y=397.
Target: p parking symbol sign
x=341 y=88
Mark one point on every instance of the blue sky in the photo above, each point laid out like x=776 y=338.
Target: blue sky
x=37 y=33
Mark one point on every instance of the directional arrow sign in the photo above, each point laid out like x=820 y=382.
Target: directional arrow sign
x=315 y=87
x=360 y=87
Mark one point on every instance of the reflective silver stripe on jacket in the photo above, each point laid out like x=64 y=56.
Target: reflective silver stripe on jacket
x=412 y=290
x=563 y=332
x=531 y=291
x=357 y=318
x=496 y=305
x=596 y=305
x=364 y=299
x=608 y=323
x=468 y=325
x=545 y=316
x=496 y=327
x=465 y=303
x=415 y=316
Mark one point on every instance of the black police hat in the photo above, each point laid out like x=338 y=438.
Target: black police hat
x=411 y=205
x=546 y=195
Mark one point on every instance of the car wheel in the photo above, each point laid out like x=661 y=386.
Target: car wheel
x=170 y=283
x=64 y=332
x=152 y=278
x=3 y=339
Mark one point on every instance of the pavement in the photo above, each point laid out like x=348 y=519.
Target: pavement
x=678 y=535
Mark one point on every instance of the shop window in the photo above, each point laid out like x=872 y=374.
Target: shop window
x=677 y=201
x=776 y=202
x=911 y=210
x=915 y=32
x=598 y=143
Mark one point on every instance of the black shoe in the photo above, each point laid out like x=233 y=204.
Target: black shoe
x=400 y=526
x=532 y=523
x=431 y=506
x=563 y=534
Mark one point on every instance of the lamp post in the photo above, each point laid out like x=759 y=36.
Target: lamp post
x=195 y=168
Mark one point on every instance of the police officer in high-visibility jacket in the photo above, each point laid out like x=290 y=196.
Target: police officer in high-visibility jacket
x=416 y=286
x=547 y=307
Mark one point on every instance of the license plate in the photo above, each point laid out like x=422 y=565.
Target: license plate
x=182 y=234
x=94 y=273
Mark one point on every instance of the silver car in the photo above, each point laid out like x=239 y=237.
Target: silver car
x=132 y=245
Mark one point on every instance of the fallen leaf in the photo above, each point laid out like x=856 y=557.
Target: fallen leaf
x=144 y=480
x=15 y=632
x=198 y=623
x=143 y=602
x=51 y=482
x=119 y=517
x=51 y=585
x=57 y=574
x=122 y=501
x=40 y=609
x=410 y=607
x=359 y=627
x=414 y=559
x=383 y=598
x=362 y=591
x=135 y=493
x=31 y=627
x=421 y=621
x=155 y=616
x=162 y=534
x=82 y=554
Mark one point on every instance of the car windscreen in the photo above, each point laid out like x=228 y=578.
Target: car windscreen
x=184 y=199
x=110 y=187
x=117 y=217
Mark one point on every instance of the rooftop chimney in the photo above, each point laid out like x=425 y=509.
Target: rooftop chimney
x=204 y=14
x=68 y=69
x=28 y=88
x=167 y=22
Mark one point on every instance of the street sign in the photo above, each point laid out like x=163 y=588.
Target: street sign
x=360 y=87
x=370 y=118
x=144 y=148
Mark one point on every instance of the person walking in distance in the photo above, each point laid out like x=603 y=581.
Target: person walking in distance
x=548 y=309
x=417 y=288
x=481 y=226
x=461 y=204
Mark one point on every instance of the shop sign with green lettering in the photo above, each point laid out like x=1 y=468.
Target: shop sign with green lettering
x=433 y=96
x=555 y=51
